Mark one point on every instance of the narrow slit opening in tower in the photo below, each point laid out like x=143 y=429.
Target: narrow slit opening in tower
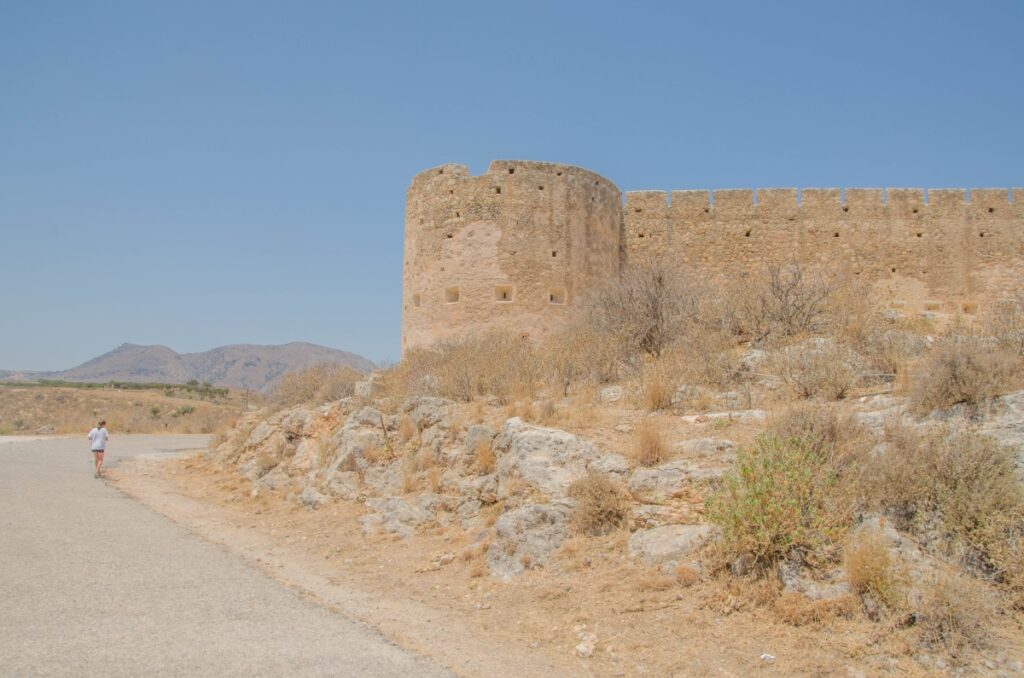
x=497 y=189
x=540 y=188
x=991 y=210
x=511 y=170
x=503 y=293
x=556 y=296
x=451 y=295
x=416 y=300
x=554 y=253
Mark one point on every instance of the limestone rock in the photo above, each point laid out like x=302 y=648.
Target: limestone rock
x=670 y=543
x=312 y=499
x=526 y=537
x=707 y=446
x=547 y=458
x=344 y=484
x=1006 y=424
x=427 y=411
x=610 y=464
x=661 y=483
x=397 y=516
x=367 y=389
x=610 y=394
x=46 y=430
x=822 y=586
x=476 y=435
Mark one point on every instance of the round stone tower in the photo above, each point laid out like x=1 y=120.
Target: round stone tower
x=512 y=249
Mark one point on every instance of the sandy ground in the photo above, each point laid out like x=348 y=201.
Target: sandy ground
x=96 y=584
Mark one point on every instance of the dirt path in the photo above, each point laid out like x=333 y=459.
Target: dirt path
x=94 y=583
x=422 y=628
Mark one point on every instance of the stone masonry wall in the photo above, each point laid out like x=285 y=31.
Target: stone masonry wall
x=935 y=252
x=517 y=246
x=512 y=248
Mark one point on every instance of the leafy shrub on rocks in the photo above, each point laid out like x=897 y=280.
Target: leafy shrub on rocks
x=961 y=489
x=778 y=497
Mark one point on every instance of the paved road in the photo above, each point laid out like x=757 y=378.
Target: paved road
x=94 y=584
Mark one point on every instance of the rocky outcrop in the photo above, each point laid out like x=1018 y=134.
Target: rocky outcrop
x=526 y=537
x=662 y=483
x=669 y=544
x=546 y=458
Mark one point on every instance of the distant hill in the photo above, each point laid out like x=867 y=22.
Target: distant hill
x=236 y=366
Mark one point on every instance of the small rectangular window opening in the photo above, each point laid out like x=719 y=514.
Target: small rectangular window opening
x=451 y=295
x=556 y=296
x=511 y=170
x=497 y=189
x=503 y=293
x=554 y=253
x=416 y=300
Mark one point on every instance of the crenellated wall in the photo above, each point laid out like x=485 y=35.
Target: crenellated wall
x=512 y=248
x=516 y=247
x=934 y=250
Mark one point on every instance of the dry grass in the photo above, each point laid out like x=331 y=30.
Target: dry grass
x=650 y=446
x=873 y=571
x=406 y=429
x=956 y=614
x=968 y=370
x=818 y=368
x=315 y=385
x=965 y=483
x=838 y=439
x=657 y=392
x=484 y=459
x=74 y=410
x=798 y=610
x=601 y=505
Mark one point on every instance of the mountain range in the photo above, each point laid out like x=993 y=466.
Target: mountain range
x=236 y=366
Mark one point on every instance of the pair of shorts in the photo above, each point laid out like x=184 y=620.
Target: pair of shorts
x=100 y=451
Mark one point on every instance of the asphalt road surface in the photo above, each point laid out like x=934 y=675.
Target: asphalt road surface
x=94 y=584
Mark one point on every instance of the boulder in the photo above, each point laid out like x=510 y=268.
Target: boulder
x=476 y=435
x=547 y=458
x=821 y=586
x=661 y=483
x=312 y=499
x=427 y=411
x=367 y=389
x=669 y=543
x=344 y=484
x=610 y=394
x=707 y=446
x=396 y=516
x=526 y=537
x=1006 y=424
x=46 y=430
x=610 y=464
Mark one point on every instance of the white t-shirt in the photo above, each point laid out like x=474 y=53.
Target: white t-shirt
x=98 y=437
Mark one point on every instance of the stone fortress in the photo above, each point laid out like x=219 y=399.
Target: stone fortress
x=516 y=246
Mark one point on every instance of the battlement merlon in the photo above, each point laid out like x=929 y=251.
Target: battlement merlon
x=501 y=170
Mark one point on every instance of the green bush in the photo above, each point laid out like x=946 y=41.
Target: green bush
x=779 y=496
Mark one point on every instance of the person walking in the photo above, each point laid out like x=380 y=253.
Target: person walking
x=98 y=437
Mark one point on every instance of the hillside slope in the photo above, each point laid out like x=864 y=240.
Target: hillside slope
x=236 y=366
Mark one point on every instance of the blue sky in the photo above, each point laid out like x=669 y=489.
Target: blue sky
x=201 y=173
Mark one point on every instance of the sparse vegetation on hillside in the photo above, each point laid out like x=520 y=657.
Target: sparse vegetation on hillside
x=317 y=384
